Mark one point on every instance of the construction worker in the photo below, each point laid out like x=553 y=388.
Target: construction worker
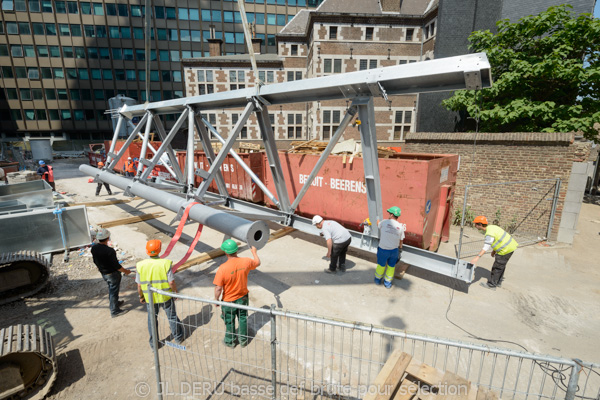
x=129 y=168
x=100 y=166
x=105 y=258
x=231 y=285
x=503 y=246
x=389 y=251
x=157 y=272
x=47 y=174
x=338 y=239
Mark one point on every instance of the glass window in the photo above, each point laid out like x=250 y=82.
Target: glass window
x=166 y=76
x=67 y=52
x=142 y=75
x=21 y=72
x=127 y=54
x=12 y=28
x=119 y=74
x=64 y=30
x=333 y=32
x=104 y=53
x=7 y=72
x=75 y=30
x=227 y=16
x=79 y=52
x=194 y=16
x=216 y=15
x=72 y=7
x=46 y=6
x=130 y=74
x=195 y=36
x=15 y=115
x=3 y=50
x=58 y=73
x=185 y=35
x=25 y=94
x=37 y=94
x=46 y=74
x=99 y=94
x=60 y=7
x=113 y=32
x=205 y=15
x=11 y=94
x=409 y=34
x=176 y=76
x=41 y=115
x=111 y=9
x=159 y=12
x=96 y=74
x=140 y=54
x=162 y=34
x=86 y=94
x=79 y=116
x=8 y=5
x=65 y=115
x=281 y=20
x=107 y=74
x=38 y=28
x=369 y=34
x=154 y=76
x=42 y=51
x=271 y=19
x=86 y=8
x=117 y=53
x=89 y=31
x=89 y=115
x=98 y=9
x=270 y=40
x=50 y=94
x=54 y=51
x=24 y=28
x=136 y=11
x=138 y=33
x=83 y=73
x=71 y=73
x=53 y=115
x=337 y=65
x=100 y=31
x=16 y=51
x=93 y=52
x=170 y=12
x=123 y=10
x=28 y=51
x=229 y=37
x=173 y=35
x=186 y=54
x=50 y=29
x=34 y=6
x=239 y=37
x=125 y=32
x=183 y=14
x=260 y=18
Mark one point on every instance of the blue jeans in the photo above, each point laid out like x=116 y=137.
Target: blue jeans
x=114 y=282
x=174 y=322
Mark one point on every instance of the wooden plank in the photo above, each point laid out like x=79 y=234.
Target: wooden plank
x=407 y=390
x=102 y=203
x=389 y=376
x=484 y=393
x=454 y=387
x=426 y=374
x=130 y=220
x=216 y=253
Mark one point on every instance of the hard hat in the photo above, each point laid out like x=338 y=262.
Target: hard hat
x=42 y=162
x=153 y=247
x=395 y=211
x=103 y=234
x=480 y=219
x=229 y=246
x=100 y=164
x=129 y=158
x=367 y=221
x=317 y=219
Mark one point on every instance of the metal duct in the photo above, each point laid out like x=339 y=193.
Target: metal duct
x=253 y=233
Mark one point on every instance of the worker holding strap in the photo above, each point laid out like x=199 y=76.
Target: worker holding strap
x=389 y=251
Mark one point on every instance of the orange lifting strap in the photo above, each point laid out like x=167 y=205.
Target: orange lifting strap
x=177 y=235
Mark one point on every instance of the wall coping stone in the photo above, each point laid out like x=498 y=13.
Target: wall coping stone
x=561 y=138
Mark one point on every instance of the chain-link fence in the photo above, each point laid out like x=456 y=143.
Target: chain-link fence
x=525 y=209
x=295 y=356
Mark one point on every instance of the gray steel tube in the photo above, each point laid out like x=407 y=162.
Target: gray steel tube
x=253 y=233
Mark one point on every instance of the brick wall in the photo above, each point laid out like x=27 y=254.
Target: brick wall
x=502 y=157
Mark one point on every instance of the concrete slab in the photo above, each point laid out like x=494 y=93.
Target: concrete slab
x=579 y=168
x=574 y=196
x=572 y=207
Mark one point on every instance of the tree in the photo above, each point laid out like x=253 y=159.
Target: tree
x=546 y=71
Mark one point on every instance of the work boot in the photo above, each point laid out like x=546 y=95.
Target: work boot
x=342 y=268
x=110 y=193
x=329 y=271
x=120 y=303
x=488 y=285
x=119 y=312
x=388 y=285
x=378 y=281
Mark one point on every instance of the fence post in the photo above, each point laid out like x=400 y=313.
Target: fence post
x=273 y=353
x=553 y=212
x=573 y=379
x=154 y=327
x=462 y=223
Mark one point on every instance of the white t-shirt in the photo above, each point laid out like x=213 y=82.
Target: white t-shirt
x=334 y=231
x=391 y=232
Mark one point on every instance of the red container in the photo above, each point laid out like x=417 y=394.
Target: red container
x=9 y=166
x=134 y=150
x=422 y=185
x=238 y=182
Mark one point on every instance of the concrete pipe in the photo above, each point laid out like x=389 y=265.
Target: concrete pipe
x=253 y=233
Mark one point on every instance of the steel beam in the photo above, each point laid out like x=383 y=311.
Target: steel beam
x=254 y=233
x=111 y=158
x=210 y=155
x=470 y=71
x=419 y=258
x=165 y=138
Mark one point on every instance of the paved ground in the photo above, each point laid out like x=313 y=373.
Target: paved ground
x=549 y=303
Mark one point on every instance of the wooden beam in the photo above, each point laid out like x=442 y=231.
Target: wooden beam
x=130 y=220
x=103 y=203
x=216 y=253
x=389 y=377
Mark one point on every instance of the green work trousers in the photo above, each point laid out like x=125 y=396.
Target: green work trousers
x=229 y=315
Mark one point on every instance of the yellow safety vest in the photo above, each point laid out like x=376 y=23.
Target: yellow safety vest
x=503 y=242
x=154 y=271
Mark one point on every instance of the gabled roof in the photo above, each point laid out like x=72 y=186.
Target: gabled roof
x=298 y=24
x=350 y=6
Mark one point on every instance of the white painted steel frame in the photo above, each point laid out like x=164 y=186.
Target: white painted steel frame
x=470 y=71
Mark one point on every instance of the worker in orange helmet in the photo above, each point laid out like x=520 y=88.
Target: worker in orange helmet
x=158 y=272
x=99 y=187
x=502 y=244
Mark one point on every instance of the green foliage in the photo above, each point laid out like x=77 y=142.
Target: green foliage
x=546 y=71
x=469 y=216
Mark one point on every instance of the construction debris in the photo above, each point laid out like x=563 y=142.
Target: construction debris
x=246 y=147
x=23 y=176
x=348 y=147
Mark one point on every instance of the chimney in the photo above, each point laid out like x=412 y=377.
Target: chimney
x=215 y=46
x=256 y=42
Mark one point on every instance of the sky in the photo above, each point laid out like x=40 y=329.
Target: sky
x=597 y=9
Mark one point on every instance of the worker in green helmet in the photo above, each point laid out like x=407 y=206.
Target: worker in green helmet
x=389 y=251
x=231 y=285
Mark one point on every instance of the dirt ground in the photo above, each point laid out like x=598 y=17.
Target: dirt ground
x=550 y=302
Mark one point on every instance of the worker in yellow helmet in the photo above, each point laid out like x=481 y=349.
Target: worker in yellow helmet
x=502 y=244
x=158 y=273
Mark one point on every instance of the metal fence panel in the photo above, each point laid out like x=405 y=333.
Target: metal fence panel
x=297 y=356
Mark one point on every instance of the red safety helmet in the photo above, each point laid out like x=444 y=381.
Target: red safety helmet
x=153 y=247
x=480 y=220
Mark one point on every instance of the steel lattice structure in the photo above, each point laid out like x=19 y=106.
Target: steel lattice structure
x=471 y=71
